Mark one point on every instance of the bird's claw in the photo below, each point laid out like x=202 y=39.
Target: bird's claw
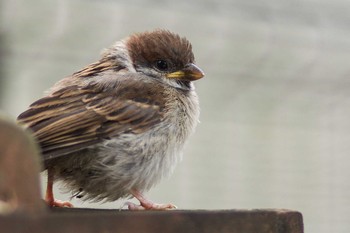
x=59 y=203
x=150 y=206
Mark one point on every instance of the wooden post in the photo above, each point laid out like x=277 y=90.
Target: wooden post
x=19 y=170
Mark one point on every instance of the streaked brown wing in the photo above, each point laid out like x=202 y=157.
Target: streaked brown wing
x=75 y=117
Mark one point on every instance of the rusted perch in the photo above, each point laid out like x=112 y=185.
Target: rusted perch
x=22 y=210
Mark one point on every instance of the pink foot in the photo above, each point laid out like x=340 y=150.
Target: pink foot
x=146 y=204
x=59 y=203
x=50 y=200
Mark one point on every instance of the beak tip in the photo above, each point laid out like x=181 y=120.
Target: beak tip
x=194 y=71
x=190 y=72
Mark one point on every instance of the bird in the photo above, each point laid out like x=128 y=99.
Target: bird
x=113 y=129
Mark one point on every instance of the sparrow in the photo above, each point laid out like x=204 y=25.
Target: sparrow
x=113 y=129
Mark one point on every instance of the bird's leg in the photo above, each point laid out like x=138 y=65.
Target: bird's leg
x=146 y=204
x=50 y=200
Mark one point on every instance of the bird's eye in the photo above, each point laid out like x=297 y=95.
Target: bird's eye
x=162 y=65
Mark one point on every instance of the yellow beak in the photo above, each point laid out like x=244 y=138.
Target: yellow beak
x=191 y=72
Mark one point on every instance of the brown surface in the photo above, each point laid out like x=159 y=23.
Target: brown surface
x=89 y=220
x=19 y=171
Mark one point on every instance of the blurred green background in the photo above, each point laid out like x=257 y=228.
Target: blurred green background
x=275 y=118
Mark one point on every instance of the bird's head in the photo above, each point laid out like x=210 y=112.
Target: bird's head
x=163 y=55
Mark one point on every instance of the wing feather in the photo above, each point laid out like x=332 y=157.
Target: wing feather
x=76 y=116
